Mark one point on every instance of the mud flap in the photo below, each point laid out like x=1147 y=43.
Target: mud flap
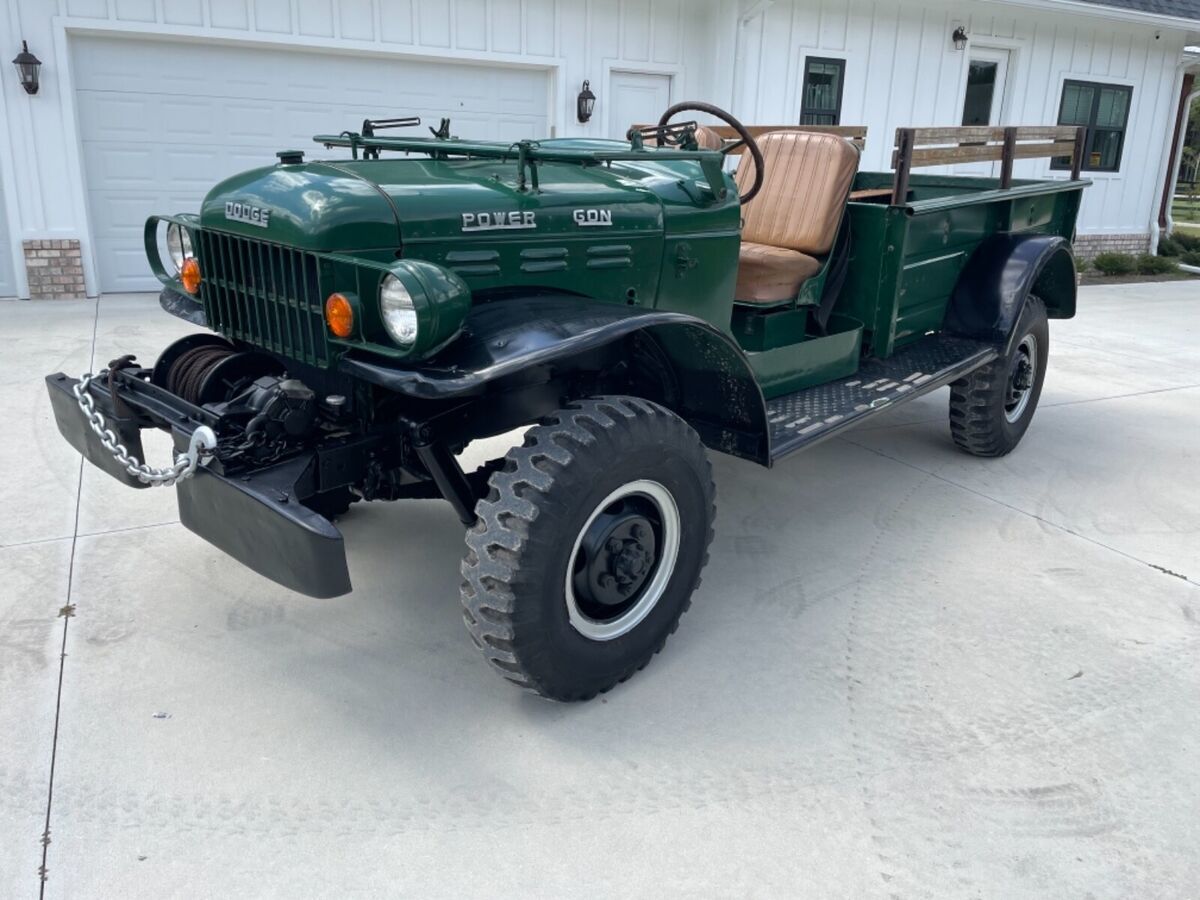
x=73 y=426
x=258 y=521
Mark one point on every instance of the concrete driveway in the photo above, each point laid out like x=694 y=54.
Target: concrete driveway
x=908 y=672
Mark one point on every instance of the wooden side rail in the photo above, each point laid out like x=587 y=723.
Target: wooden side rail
x=983 y=143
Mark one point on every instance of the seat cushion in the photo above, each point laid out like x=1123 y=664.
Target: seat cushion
x=769 y=274
x=806 y=179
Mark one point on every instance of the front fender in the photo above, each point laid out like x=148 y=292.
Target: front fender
x=717 y=392
x=1004 y=270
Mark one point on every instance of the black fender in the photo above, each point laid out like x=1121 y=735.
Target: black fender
x=1001 y=274
x=713 y=387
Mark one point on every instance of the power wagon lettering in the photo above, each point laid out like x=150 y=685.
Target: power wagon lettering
x=251 y=215
x=593 y=217
x=498 y=221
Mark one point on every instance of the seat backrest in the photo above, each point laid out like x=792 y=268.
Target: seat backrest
x=806 y=182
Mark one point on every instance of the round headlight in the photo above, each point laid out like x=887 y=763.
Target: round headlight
x=398 y=311
x=179 y=245
x=421 y=307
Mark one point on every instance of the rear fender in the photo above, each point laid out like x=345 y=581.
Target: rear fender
x=711 y=384
x=1001 y=275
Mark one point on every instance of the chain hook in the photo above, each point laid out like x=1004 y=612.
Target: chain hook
x=201 y=446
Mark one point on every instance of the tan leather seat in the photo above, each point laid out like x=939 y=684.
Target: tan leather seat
x=708 y=139
x=795 y=217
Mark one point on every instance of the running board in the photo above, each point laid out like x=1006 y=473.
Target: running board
x=799 y=420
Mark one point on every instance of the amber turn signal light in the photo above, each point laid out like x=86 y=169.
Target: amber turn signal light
x=189 y=274
x=339 y=316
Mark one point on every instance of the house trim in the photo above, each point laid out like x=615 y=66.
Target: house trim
x=1111 y=13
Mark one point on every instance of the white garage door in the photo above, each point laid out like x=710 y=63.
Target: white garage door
x=161 y=121
x=8 y=284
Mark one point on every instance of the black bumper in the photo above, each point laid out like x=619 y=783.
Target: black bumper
x=255 y=517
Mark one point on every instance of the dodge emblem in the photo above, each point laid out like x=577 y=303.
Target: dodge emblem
x=244 y=212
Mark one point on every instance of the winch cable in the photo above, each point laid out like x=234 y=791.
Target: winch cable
x=186 y=375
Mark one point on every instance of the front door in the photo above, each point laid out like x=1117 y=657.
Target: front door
x=638 y=98
x=984 y=98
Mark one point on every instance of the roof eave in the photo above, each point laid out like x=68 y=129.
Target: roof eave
x=1111 y=13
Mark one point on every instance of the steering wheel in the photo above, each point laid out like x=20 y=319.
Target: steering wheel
x=746 y=139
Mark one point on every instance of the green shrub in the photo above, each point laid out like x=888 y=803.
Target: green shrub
x=1154 y=265
x=1169 y=247
x=1188 y=243
x=1115 y=263
x=1192 y=258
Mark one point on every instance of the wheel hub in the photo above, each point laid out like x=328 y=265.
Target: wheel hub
x=1022 y=375
x=620 y=550
x=1021 y=378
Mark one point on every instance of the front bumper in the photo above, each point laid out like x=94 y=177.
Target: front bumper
x=254 y=516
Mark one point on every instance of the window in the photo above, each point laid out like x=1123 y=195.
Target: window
x=1104 y=109
x=821 y=103
x=982 y=75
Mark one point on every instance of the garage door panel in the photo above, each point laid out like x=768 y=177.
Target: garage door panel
x=124 y=267
x=114 y=213
x=209 y=110
x=117 y=166
x=114 y=116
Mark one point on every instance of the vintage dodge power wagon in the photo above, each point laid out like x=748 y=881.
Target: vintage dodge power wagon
x=631 y=304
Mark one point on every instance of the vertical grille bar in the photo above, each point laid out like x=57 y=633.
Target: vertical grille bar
x=318 y=313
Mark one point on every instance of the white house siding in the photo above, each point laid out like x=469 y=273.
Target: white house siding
x=746 y=55
x=902 y=70
x=46 y=184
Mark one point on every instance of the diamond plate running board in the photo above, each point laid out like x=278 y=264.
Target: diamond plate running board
x=799 y=420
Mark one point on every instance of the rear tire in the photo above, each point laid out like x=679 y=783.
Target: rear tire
x=991 y=408
x=588 y=547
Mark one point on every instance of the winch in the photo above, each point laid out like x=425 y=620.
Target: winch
x=249 y=390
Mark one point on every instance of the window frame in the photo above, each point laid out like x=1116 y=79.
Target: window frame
x=840 y=63
x=1098 y=87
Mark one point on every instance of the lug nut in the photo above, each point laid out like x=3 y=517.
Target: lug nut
x=607 y=581
x=640 y=531
x=614 y=545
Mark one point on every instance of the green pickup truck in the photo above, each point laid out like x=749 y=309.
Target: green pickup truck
x=632 y=304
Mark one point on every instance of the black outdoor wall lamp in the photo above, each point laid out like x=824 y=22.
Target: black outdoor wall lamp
x=585 y=103
x=27 y=69
x=960 y=38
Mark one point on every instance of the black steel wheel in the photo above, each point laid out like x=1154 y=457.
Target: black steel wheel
x=588 y=546
x=991 y=408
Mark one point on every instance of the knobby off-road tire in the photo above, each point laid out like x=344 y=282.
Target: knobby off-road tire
x=992 y=407
x=588 y=546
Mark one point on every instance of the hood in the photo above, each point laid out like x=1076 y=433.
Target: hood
x=313 y=206
x=366 y=205
x=458 y=198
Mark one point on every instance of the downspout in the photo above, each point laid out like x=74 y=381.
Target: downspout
x=1161 y=222
x=1187 y=96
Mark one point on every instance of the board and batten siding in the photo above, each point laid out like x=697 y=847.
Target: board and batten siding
x=902 y=70
x=572 y=39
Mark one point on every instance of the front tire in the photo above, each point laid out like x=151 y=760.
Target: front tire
x=991 y=408
x=588 y=547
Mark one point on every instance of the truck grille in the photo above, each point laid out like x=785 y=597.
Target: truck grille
x=264 y=294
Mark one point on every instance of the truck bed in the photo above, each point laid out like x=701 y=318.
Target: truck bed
x=813 y=414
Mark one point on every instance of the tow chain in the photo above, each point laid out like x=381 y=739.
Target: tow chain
x=200 y=449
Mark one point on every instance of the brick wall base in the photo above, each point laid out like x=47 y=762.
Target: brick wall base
x=1088 y=246
x=54 y=270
